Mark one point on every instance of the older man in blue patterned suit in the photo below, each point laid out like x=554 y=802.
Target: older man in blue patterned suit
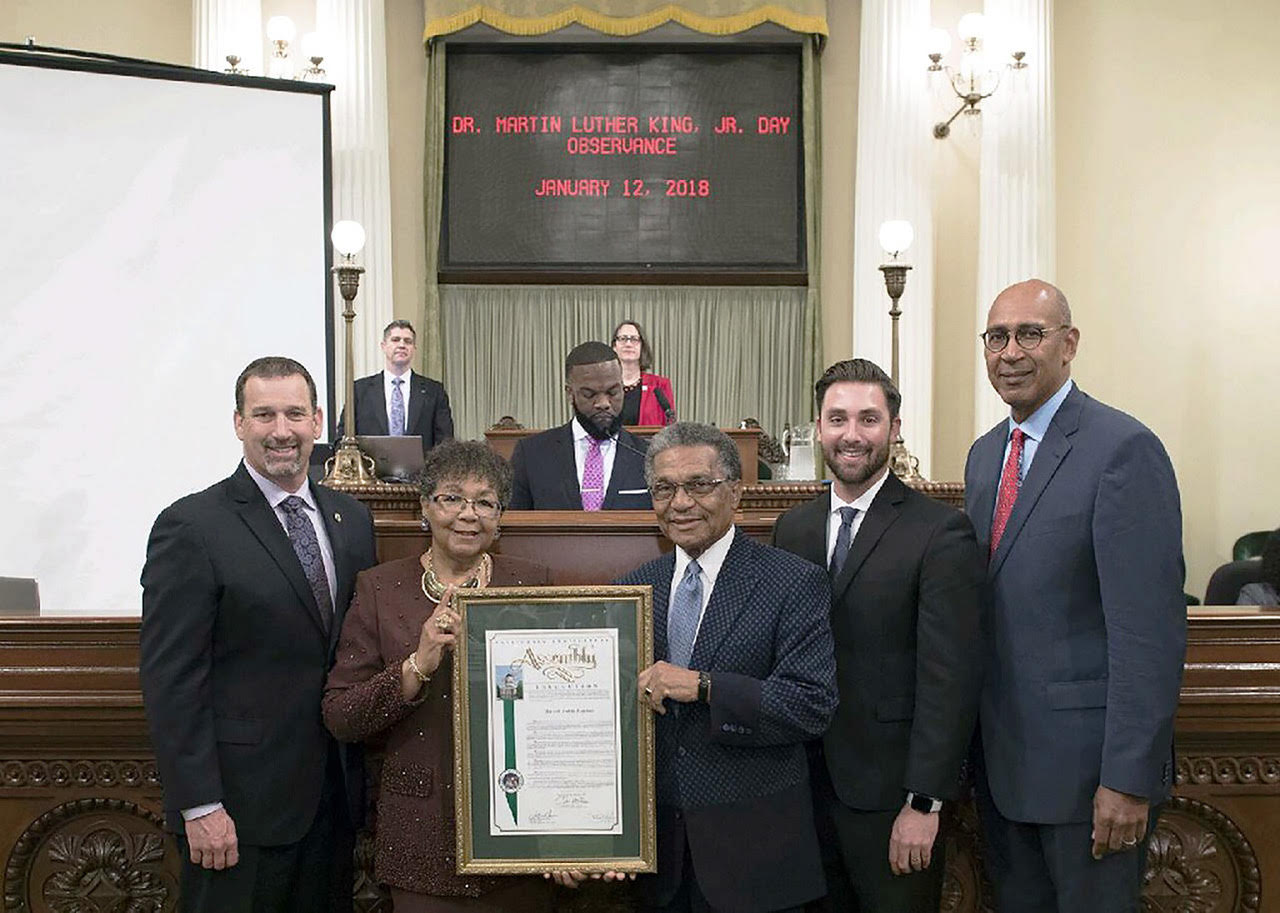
x=745 y=676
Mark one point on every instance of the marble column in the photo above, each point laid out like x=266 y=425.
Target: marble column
x=1016 y=234
x=222 y=27
x=355 y=31
x=894 y=181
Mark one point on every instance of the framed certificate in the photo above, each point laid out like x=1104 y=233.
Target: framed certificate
x=553 y=753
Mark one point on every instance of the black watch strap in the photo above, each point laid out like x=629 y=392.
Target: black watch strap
x=922 y=803
x=704 y=687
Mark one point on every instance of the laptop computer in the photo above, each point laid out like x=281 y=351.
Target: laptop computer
x=396 y=458
x=19 y=596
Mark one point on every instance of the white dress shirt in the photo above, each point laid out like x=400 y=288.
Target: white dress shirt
x=582 y=443
x=387 y=387
x=862 y=504
x=709 y=563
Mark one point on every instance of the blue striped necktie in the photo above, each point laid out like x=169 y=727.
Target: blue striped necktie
x=682 y=617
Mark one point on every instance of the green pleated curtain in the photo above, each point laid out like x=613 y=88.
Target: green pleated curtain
x=731 y=352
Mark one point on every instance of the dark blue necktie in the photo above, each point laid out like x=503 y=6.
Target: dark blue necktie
x=682 y=617
x=844 y=538
x=307 y=547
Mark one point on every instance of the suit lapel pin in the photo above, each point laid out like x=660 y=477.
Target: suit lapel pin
x=337 y=517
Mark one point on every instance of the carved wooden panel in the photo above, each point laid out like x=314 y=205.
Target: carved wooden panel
x=92 y=856
x=79 y=796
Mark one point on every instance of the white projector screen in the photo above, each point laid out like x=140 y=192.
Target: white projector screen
x=159 y=229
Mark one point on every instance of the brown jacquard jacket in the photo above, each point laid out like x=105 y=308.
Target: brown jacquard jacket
x=415 y=847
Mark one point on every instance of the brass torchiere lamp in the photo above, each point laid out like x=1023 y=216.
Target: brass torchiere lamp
x=349 y=466
x=895 y=237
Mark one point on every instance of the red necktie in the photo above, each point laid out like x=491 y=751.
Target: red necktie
x=1009 y=482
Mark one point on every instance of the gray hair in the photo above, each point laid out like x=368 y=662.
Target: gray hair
x=695 y=434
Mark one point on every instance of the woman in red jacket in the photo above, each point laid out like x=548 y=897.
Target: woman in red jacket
x=649 y=399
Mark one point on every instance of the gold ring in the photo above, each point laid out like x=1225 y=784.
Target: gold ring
x=1133 y=842
x=443 y=624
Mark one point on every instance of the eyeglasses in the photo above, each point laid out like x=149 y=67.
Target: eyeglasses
x=694 y=488
x=1028 y=337
x=626 y=339
x=453 y=504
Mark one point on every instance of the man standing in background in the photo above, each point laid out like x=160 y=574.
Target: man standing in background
x=398 y=400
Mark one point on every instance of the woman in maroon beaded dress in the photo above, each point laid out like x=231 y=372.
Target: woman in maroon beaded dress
x=392 y=683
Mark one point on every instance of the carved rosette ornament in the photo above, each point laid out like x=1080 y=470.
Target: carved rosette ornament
x=1199 y=861
x=92 y=856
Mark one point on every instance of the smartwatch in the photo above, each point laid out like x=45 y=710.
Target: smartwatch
x=921 y=803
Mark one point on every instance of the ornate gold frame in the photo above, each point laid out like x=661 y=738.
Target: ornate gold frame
x=647 y=859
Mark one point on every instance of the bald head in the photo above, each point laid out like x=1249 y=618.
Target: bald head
x=1039 y=291
x=1034 y=320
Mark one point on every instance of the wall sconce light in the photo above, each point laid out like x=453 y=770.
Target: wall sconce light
x=896 y=237
x=313 y=48
x=972 y=81
x=280 y=32
x=233 y=65
x=349 y=466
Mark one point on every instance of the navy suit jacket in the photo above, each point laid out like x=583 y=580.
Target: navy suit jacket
x=429 y=413
x=732 y=775
x=544 y=473
x=234 y=655
x=906 y=615
x=1087 y=628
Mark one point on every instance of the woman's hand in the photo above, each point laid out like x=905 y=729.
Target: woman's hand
x=439 y=633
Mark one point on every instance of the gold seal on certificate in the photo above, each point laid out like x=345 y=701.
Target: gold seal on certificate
x=553 y=750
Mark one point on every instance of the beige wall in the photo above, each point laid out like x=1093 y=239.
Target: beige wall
x=149 y=29
x=839 y=158
x=1168 y=213
x=1168 y=217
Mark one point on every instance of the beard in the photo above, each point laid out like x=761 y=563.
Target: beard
x=281 y=465
x=593 y=428
x=874 y=459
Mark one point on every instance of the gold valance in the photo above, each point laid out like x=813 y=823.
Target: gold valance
x=625 y=18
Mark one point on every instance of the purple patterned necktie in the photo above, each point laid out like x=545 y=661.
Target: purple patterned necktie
x=302 y=535
x=593 y=477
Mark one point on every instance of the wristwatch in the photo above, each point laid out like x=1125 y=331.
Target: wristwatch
x=704 y=687
x=922 y=803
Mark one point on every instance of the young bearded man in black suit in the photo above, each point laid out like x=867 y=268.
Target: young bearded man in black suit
x=243 y=595
x=422 y=407
x=591 y=463
x=906 y=574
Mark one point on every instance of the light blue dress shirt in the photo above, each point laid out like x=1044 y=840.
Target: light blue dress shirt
x=1034 y=428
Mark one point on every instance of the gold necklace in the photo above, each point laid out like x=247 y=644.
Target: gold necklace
x=478 y=576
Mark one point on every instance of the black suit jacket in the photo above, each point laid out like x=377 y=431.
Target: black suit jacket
x=732 y=778
x=545 y=474
x=234 y=655
x=429 y=414
x=906 y=620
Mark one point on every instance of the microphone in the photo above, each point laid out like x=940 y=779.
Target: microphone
x=664 y=403
x=625 y=446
